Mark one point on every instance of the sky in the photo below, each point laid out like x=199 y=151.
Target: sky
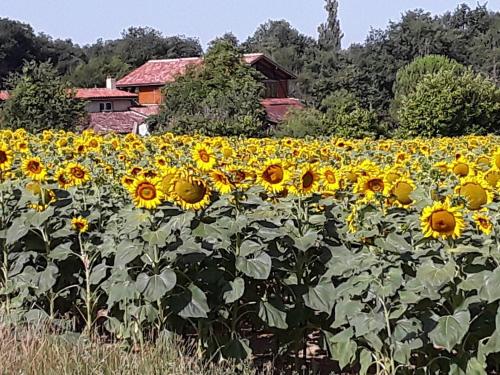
x=84 y=21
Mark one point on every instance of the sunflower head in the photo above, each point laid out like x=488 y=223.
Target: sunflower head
x=221 y=181
x=483 y=222
x=308 y=181
x=80 y=224
x=77 y=173
x=191 y=193
x=330 y=179
x=6 y=158
x=34 y=169
x=441 y=220
x=476 y=191
x=401 y=190
x=204 y=157
x=146 y=192
x=274 y=176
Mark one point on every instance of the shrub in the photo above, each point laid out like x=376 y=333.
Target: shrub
x=451 y=104
x=409 y=76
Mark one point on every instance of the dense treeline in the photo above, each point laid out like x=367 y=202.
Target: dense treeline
x=342 y=87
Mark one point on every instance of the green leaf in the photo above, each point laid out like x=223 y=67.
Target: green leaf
x=62 y=251
x=365 y=360
x=47 y=279
x=272 y=316
x=155 y=287
x=344 y=352
x=258 y=267
x=98 y=274
x=433 y=276
x=126 y=252
x=17 y=230
x=249 y=248
x=474 y=367
x=306 y=241
x=450 y=330
x=320 y=298
x=490 y=290
x=236 y=292
x=158 y=237
x=197 y=306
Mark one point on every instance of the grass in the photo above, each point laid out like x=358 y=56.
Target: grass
x=33 y=351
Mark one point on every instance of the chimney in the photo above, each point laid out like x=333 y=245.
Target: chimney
x=110 y=83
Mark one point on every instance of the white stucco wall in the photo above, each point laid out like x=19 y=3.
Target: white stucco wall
x=119 y=105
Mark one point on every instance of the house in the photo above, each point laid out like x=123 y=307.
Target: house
x=111 y=109
x=148 y=80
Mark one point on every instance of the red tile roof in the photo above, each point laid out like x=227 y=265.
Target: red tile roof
x=118 y=122
x=277 y=108
x=103 y=93
x=147 y=110
x=4 y=95
x=160 y=72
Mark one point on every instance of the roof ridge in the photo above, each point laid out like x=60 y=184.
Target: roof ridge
x=175 y=59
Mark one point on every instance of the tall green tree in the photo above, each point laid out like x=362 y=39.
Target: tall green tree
x=330 y=33
x=220 y=97
x=40 y=100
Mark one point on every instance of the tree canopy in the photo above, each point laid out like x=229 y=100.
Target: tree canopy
x=41 y=100
x=220 y=97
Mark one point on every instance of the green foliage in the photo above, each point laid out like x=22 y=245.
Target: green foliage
x=300 y=123
x=330 y=34
x=450 y=104
x=341 y=115
x=96 y=70
x=221 y=97
x=409 y=76
x=40 y=100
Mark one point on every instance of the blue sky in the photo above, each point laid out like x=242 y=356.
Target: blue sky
x=86 y=20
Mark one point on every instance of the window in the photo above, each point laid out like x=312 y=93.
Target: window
x=106 y=107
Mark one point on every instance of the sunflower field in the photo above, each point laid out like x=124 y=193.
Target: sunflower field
x=388 y=251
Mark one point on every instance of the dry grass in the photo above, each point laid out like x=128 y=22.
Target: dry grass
x=35 y=352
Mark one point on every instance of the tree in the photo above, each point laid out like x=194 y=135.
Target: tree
x=140 y=44
x=448 y=103
x=17 y=44
x=220 y=97
x=96 y=70
x=40 y=100
x=409 y=76
x=330 y=34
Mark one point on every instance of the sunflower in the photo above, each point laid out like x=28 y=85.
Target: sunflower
x=204 y=157
x=476 y=191
x=492 y=177
x=370 y=185
x=78 y=174
x=461 y=167
x=308 y=181
x=496 y=158
x=274 y=176
x=221 y=182
x=63 y=178
x=330 y=179
x=34 y=169
x=483 y=222
x=401 y=190
x=191 y=193
x=127 y=181
x=442 y=220
x=6 y=158
x=80 y=224
x=146 y=192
